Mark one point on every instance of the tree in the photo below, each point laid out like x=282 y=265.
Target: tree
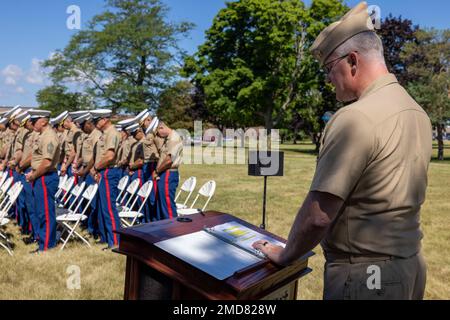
x=125 y=57
x=431 y=88
x=395 y=34
x=255 y=66
x=176 y=105
x=57 y=99
x=248 y=66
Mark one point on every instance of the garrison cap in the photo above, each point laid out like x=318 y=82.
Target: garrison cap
x=36 y=114
x=83 y=118
x=101 y=113
x=356 y=21
x=153 y=126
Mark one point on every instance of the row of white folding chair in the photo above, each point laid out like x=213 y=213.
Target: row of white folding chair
x=3 y=177
x=61 y=183
x=8 y=201
x=129 y=216
x=188 y=187
x=122 y=186
x=66 y=186
x=72 y=219
x=6 y=185
x=207 y=191
x=128 y=196
x=71 y=200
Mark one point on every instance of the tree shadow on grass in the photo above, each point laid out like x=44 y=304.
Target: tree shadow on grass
x=303 y=151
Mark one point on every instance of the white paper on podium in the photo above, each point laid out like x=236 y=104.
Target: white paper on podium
x=209 y=254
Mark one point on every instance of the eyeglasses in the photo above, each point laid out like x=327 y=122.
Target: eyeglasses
x=328 y=67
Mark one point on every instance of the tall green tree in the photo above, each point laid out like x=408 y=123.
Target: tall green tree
x=431 y=88
x=57 y=99
x=176 y=104
x=396 y=33
x=254 y=67
x=124 y=57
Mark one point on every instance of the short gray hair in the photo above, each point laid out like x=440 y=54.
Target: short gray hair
x=367 y=43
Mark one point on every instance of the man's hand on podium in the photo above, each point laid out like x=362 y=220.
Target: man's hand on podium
x=271 y=251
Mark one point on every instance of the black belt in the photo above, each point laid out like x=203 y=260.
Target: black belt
x=356 y=258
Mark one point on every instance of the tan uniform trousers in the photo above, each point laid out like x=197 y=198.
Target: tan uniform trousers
x=354 y=278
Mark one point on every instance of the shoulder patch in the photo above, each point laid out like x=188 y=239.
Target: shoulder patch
x=50 y=147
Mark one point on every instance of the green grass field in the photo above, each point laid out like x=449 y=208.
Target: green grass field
x=44 y=276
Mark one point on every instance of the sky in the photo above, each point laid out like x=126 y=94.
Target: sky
x=31 y=30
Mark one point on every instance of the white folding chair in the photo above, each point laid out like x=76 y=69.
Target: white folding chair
x=128 y=214
x=188 y=187
x=130 y=192
x=207 y=191
x=5 y=205
x=61 y=183
x=5 y=186
x=65 y=189
x=75 y=193
x=72 y=219
x=121 y=187
x=3 y=177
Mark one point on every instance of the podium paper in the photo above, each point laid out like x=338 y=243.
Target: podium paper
x=209 y=254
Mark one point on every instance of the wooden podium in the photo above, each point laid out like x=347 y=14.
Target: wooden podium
x=154 y=274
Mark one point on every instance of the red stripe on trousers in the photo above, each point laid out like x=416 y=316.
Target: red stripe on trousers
x=167 y=195
x=140 y=181
x=47 y=219
x=111 y=215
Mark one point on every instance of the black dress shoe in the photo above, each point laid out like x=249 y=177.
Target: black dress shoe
x=29 y=240
x=37 y=251
x=106 y=249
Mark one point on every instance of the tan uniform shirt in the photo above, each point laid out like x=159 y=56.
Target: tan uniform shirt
x=2 y=140
x=47 y=147
x=375 y=155
x=123 y=154
x=136 y=152
x=18 y=143
x=30 y=139
x=109 y=140
x=8 y=134
x=72 y=137
x=62 y=144
x=87 y=149
x=11 y=144
x=173 y=146
x=152 y=144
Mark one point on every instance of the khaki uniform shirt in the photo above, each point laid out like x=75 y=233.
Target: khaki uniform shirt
x=123 y=154
x=62 y=144
x=152 y=144
x=18 y=146
x=8 y=134
x=87 y=149
x=30 y=139
x=72 y=137
x=375 y=155
x=2 y=139
x=11 y=144
x=173 y=146
x=47 y=147
x=109 y=140
x=136 y=152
